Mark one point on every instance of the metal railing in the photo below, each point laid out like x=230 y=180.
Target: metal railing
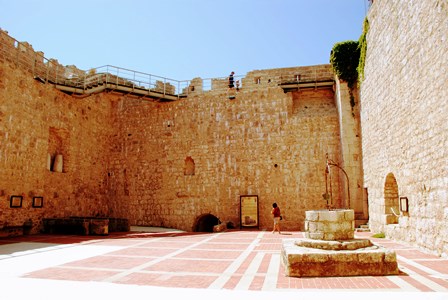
x=134 y=79
x=50 y=71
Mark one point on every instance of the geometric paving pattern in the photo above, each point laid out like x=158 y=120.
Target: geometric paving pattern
x=232 y=260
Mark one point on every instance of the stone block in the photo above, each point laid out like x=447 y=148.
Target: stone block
x=334 y=245
x=329 y=236
x=312 y=226
x=99 y=226
x=335 y=227
x=372 y=260
x=315 y=235
x=220 y=228
x=330 y=216
x=390 y=256
x=370 y=257
x=342 y=257
x=306 y=225
x=315 y=257
x=312 y=215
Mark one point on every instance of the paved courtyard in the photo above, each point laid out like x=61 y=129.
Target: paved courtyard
x=228 y=265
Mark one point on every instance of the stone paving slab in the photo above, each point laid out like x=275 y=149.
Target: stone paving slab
x=239 y=261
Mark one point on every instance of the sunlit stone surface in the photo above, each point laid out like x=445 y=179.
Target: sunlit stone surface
x=331 y=250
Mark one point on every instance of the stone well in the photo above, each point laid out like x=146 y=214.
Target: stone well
x=330 y=225
x=330 y=249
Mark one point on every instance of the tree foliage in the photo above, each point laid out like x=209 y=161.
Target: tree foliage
x=344 y=60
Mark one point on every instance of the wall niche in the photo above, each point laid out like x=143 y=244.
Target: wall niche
x=189 y=166
x=58 y=159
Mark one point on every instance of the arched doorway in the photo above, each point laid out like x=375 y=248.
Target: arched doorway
x=391 y=205
x=205 y=223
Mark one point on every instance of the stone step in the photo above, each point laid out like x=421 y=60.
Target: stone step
x=363 y=228
x=310 y=262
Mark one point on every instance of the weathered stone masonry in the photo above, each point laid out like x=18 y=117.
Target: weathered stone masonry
x=166 y=164
x=260 y=143
x=404 y=113
x=33 y=115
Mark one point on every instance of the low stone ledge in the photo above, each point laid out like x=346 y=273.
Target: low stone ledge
x=310 y=262
x=119 y=225
x=65 y=226
x=10 y=231
x=334 y=245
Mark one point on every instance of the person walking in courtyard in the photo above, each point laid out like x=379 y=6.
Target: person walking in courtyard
x=276 y=214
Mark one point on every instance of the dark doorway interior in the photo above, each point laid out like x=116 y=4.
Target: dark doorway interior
x=205 y=223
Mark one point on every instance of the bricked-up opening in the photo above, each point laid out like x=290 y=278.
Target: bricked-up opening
x=391 y=201
x=205 y=223
x=189 y=166
x=58 y=145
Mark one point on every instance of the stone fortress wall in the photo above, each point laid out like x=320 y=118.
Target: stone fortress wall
x=188 y=158
x=38 y=122
x=169 y=163
x=166 y=163
x=404 y=111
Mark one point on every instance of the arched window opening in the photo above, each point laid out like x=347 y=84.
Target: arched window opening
x=391 y=201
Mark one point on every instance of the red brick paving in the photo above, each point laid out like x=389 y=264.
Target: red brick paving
x=206 y=254
x=243 y=267
x=439 y=265
x=232 y=282
x=197 y=260
x=263 y=269
x=223 y=246
x=71 y=274
x=109 y=262
x=183 y=265
x=190 y=281
x=412 y=254
x=147 y=252
x=257 y=283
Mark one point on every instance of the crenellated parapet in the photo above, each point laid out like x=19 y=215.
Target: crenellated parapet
x=75 y=81
x=23 y=56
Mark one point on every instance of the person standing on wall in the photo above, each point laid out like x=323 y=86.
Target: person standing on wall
x=231 y=91
x=276 y=214
x=231 y=80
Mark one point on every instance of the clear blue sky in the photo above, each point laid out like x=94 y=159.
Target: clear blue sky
x=183 y=39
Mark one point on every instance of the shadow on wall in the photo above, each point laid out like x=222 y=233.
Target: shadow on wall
x=205 y=223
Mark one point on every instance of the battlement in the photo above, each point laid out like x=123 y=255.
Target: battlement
x=77 y=82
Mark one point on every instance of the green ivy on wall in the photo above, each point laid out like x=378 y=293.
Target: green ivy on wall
x=344 y=59
x=362 y=44
x=348 y=59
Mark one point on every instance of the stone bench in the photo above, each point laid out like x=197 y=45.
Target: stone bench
x=66 y=226
x=7 y=230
